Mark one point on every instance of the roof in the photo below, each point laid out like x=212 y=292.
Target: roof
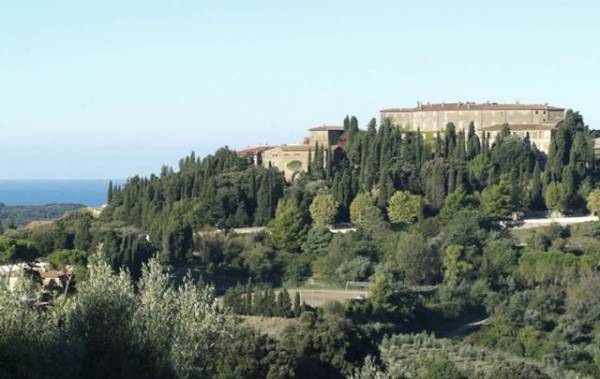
x=296 y=147
x=51 y=274
x=473 y=106
x=253 y=150
x=326 y=128
x=518 y=127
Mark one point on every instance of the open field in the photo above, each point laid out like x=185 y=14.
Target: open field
x=319 y=297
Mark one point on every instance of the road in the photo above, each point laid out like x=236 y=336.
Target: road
x=465 y=329
x=564 y=221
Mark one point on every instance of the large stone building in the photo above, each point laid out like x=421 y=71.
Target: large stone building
x=539 y=121
x=291 y=159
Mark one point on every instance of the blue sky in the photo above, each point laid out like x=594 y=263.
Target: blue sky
x=110 y=89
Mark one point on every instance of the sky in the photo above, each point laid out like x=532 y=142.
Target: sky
x=113 y=88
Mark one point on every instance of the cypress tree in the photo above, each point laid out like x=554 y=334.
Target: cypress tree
x=473 y=144
x=248 y=298
x=461 y=144
x=284 y=304
x=451 y=178
x=485 y=147
x=568 y=180
x=450 y=140
x=270 y=303
x=297 y=309
x=536 y=199
x=262 y=214
x=258 y=303
x=439 y=145
x=110 y=192
x=354 y=124
x=329 y=164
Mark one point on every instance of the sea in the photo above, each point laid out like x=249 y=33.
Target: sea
x=90 y=192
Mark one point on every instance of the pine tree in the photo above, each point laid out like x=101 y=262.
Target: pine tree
x=288 y=228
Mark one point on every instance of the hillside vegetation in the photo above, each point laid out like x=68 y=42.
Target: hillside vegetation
x=428 y=244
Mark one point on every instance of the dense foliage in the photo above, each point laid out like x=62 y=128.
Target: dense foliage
x=426 y=241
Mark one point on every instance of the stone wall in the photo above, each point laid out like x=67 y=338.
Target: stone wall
x=428 y=121
x=288 y=159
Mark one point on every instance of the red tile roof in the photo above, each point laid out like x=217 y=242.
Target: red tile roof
x=51 y=274
x=324 y=128
x=473 y=106
x=253 y=150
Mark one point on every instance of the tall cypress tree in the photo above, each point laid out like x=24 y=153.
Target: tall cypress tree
x=536 y=199
x=297 y=307
x=473 y=143
x=262 y=214
x=460 y=153
x=110 y=192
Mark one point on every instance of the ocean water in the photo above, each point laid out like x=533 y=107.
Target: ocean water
x=92 y=193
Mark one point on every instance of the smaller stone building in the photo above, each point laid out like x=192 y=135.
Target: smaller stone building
x=291 y=159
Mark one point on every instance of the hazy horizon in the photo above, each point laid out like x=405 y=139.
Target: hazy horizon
x=119 y=89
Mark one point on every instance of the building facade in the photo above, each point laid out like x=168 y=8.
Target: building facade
x=538 y=120
x=292 y=159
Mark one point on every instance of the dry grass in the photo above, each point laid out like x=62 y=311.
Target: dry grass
x=273 y=326
x=38 y=224
x=319 y=297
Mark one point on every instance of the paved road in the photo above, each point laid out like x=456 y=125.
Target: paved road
x=564 y=221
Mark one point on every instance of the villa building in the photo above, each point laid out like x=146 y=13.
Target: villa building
x=537 y=120
x=291 y=159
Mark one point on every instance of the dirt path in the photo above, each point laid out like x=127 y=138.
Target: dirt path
x=467 y=328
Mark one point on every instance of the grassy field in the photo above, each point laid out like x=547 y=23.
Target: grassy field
x=319 y=297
